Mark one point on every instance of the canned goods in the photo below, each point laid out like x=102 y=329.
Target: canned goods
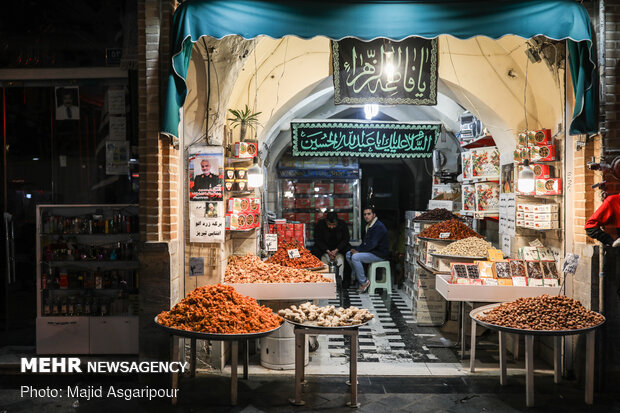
x=241 y=173
x=230 y=185
x=229 y=173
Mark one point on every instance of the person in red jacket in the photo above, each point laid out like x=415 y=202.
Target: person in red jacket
x=606 y=216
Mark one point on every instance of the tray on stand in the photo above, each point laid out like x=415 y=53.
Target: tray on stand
x=234 y=344
x=529 y=352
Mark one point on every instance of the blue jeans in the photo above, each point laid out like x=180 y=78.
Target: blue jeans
x=356 y=261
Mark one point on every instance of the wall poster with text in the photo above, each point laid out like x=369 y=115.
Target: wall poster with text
x=206 y=194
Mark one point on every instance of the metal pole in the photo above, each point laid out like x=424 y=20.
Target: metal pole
x=502 y=359
x=590 y=367
x=174 y=356
x=234 y=349
x=472 y=351
x=557 y=359
x=529 y=371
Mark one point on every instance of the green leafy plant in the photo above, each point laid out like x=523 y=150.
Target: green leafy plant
x=243 y=118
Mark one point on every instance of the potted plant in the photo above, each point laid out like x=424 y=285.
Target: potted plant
x=243 y=118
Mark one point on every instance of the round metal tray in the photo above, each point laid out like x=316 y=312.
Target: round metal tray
x=457 y=257
x=437 y=239
x=478 y=311
x=216 y=336
x=423 y=221
x=313 y=325
x=315 y=268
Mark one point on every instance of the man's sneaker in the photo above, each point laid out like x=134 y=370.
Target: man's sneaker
x=364 y=287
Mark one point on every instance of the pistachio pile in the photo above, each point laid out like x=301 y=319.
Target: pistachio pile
x=545 y=312
x=468 y=247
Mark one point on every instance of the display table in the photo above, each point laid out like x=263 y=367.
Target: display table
x=529 y=352
x=300 y=339
x=234 y=340
x=483 y=294
x=288 y=291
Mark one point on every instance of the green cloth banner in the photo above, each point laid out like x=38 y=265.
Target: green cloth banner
x=366 y=20
x=364 y=139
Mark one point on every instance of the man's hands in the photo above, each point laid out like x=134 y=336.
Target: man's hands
x=616 y=243
x=332 y=254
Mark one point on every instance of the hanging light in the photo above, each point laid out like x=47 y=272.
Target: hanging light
x=371 y=110
x=525 y=183
x=255 y=175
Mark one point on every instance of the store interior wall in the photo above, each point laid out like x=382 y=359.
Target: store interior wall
x=290 y=78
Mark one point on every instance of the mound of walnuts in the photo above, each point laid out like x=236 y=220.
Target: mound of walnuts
x=543 y=313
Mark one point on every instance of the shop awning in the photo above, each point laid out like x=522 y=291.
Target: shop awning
x=555 y=19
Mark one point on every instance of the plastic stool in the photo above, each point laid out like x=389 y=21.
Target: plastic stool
x=386 y=283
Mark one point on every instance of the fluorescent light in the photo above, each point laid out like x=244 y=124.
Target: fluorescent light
x=370 y=110
x=35 y=159
x=525 y=183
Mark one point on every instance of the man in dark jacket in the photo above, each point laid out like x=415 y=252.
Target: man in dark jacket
x=375 y=247
x=331 y=239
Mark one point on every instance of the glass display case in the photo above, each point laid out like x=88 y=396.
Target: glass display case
x=309 y=188
x=87 y=279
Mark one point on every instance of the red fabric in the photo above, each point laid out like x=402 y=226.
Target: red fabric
x=608 y=214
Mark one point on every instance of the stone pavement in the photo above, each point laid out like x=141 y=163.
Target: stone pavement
x=208 y=393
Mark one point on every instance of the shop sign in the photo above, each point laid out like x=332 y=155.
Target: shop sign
x=383 y=71
x=364 y=139
x=318 y=173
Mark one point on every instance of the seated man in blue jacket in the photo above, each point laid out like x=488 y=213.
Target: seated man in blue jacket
x=375 y=247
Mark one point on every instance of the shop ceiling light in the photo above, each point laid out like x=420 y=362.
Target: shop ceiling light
x=525 y=183
x=371 y=110
x=255 y=175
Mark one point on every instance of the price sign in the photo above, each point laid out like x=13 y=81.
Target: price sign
x=416 y=226
x=444 y=235
x=271 y=242
x=293 y=253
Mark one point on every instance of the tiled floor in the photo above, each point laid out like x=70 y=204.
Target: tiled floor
x=392 y=344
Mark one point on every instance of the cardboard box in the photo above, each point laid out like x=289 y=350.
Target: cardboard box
x=254 y=205
x=551 y=186
x=485 y=269
x=238 y=205
x=343 y=203
x=544 y=216
x=343 y=188
x=245 y=150
x=288 y=203
x=545 y=225
x=543 y=153
x=303 y=203
x=322 y=202
x=303 y=188
x=542 y=137
x=322 y=188
x=545 y=208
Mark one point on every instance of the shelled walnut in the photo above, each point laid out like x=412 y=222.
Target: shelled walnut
x=328 y=316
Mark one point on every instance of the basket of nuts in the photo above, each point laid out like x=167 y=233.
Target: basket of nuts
x=543 y=315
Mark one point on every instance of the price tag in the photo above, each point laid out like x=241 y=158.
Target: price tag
x=293 y=253
x=444 y=235
x=271 y=242
x=416 y=227
x=495 y=254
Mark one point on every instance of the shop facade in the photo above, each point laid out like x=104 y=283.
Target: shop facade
x=202 y=119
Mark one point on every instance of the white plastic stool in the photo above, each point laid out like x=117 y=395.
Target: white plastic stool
x=385 y=283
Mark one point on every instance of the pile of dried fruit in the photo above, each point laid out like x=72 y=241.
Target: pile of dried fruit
x=328 y=316
x=543 y=313
x=437 y=214
x=452 y=229
x=305 y=260
x=250 y=269
x=468 y=247
x=219 y=309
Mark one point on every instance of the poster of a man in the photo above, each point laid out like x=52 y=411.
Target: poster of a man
x=67 y=103
x=206 y=178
